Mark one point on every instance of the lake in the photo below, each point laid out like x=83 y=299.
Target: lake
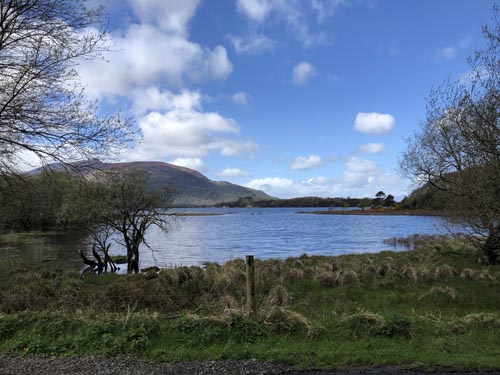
x=262 y=232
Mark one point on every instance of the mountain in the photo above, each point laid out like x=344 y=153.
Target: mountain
x=190 y=188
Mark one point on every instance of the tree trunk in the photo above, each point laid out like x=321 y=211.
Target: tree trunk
x=491 y=246
x=133 y=259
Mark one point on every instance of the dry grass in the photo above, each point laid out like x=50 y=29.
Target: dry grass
x=476 y=320
x=328 y=279
x=289 y=318
x=341 y=277
x=444 y=271
x=437 y=291
x=409 y=272
x=278 y=296
x=296 y=274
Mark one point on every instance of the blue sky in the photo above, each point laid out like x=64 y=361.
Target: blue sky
x=294 y=97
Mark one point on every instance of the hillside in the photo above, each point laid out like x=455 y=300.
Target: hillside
x=190 y=188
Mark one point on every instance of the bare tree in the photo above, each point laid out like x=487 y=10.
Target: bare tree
x=119 y=206
x=457 y=148
x=43 y=109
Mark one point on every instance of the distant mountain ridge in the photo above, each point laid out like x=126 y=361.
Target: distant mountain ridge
x=190 y=188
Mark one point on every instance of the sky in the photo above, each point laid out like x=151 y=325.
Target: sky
x=293 y=97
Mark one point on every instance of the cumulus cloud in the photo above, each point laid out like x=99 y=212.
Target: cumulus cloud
x=154 y=53
x=241 y=98
x=302 y=73
x=175 y=125
x=372 y=148
x=303 y=163
x=182 y=132
x=233 y=172
x=192 y=163
x=170 y=15
x=155 y=99
x=253 y=44
x=374 y=123
x=360 y=178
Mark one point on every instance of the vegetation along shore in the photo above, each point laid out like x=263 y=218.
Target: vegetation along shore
x=431 y=306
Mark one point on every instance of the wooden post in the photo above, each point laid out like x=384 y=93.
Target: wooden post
x=250 y=285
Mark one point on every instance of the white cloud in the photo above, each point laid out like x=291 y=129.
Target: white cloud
x=170 y=15
x=359 y=172
x=361 y=178
x=233 y=172
x=303 y=72
x=234 y=148
x=145 y=55
x=26 y=161
x=257 y=10
x=241 y=98
x=326 y=8
x=175 y=125
x=374 y=123
x=372 y=148
x=303 y=163
x=291 y=12
x=450 y=52
x=271 y=184
x=180 y=132
x=155 y=99
x=253 y=44
x=446 y=53
x=192 y=163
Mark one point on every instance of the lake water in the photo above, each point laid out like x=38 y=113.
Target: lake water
x=262 y=232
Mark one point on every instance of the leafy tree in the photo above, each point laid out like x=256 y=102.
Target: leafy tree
x=35 y=202
x=43 y=110
x=389 y=201
x=365 y=202
x=379 y=199
x=457 y=148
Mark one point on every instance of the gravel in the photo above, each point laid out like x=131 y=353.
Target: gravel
x=46 y=365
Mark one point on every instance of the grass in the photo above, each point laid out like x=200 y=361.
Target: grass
x=432 y=306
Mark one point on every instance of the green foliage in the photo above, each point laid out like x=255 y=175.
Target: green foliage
x=426 y=197
x=36 y=202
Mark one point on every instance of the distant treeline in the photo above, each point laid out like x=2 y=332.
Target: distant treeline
x=37 y=202
x=313 y=202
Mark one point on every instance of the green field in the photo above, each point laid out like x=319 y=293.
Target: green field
x=433 y=306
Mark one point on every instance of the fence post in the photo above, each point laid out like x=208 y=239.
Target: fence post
x=250 y=284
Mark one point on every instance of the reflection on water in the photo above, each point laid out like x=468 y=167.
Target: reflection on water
x=51 y=250
x=264 y=232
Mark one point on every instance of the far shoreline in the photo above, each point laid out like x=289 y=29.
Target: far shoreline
x=382 y=212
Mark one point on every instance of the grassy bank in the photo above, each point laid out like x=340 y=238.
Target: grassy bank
x=432 y=306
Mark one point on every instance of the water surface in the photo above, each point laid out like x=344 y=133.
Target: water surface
x=262 y=232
